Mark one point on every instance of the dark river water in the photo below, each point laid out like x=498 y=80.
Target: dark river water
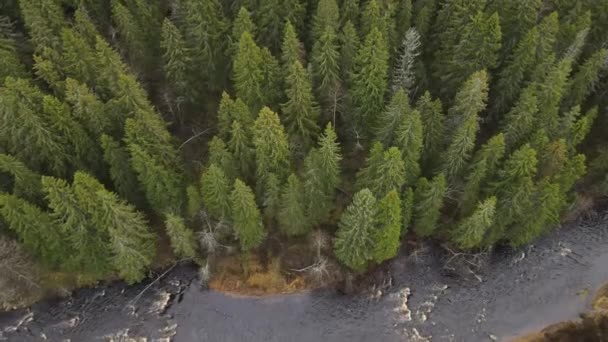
x=516 y=292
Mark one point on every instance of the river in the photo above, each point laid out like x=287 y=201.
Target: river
x=516 y=292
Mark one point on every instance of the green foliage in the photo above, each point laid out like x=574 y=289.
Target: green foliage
x=409 y=139
x=349 y=46
x=433 y=126
x=428 y=201
x=221 y=156
x=271 y=146
x=326 y=15
x=291 y=49
x=586 y=78
x=325 y=62
x=471 y=231
x=369 y=81
x=394 y=114
x=195 y=201
x=182 y=238
x=242 y=23
x=25 y=182
x=520 y=121
x=246 y=217
x=10 y=63
x=248 y=73
x=389 y=220
x=300 y=112
x=404 y=75
x=177 y=62
x=44 y=21
x=383 y=171
x=122 y=174
x=293 y=219
x=354 y=243
x=242 y=149
x=215 y=192
x=407 y=206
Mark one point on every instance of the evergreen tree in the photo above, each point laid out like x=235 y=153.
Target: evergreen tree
x=478 y=49
x=270 y=23
x=89 y=110
x=545 y=46
x=349 y=45
x=471 y=231
x=388 y=233
x=270 y=197
x=516 y=18
x=248 y=72
x=291 y=49
x=369 y=81
x=393 y=115
x=403 y=18
x=516 y=68
x=520 y=121
x=550 y=94
x=372 y=18
x=242 y=23
x=404 y=75
x=195 y=201
x=428 y=201
x=271 y=146
x=177 y=62
x=44 y=21
x=354 y=243
x=25 y=182
x=300 y=111
x=433 y=126
x=183 y=242
x=349 y=11
x=215 y=191
x=380 y=175
x=293 y=219
x=221 y=156
x=242 y=149
x=586 y=78
x=122 y=174
x=322 y=176
x=35 y=230
x=581 y=128
x=482 y=169
x=326 y=71
x=409 y=139
x=463 y=119
x=230 y=111
x=246 y=217
x=407 y=206
x=327 y=14
x=271 y=87
x=10 y=60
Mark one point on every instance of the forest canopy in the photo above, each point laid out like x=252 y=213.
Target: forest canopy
x=129 y=125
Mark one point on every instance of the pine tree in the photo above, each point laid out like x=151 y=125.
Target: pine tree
x=471 y=231
x=325 y=62
x=122 y=174
x=183 y=242
x=177 y=62
x=393 y=115
x=242 y=23
x=322 y=176
x=291 y=49
x=327 y=14
x=428 y=201
x=478 y=49
x=520 y=121
x=300 y=111
x=433 y=127
x=35 y=230
x=215 y=191
x=404 y=75
x=409 y=139
x=25 y=182
x=354 y=243
x=246 y=217
x=482 y=168
x=248 y=72
x=349 y=45
x=464 y=122
x=293 y=219
x=388 y=233
x=517 y=68
x=271 y=146
x=370 y=81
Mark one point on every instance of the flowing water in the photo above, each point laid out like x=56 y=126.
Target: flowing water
x=516 y=292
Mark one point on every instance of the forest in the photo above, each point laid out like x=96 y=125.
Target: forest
x=131 y=129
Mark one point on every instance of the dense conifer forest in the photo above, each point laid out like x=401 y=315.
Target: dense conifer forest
x=133 y=128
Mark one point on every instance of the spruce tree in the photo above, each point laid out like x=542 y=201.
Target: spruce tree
x=123 y=177
x=195 y=201
x=520 y=121
x=215 y=191
x=44 y=21
x=326 y=71
x=291 y=49
x=403 y=18
x=349 y=45
x=388 y=232
x=271 y=146
x=89 y=110
x=229 y=111
x=242 y=149
x=300 y=112
x=550 y=93
x=35 y=229
x=271 y=87
x=242 y=23
x=177 y=62
x=392 y=116
x=327 y=14
x=404 y=74
x=354 y=243
x=246 y=217
x=248 y=73
x=349 y=11
x=369 y=81
x=380 y=175
x=222 y=157
x=10 y=60
x=182 y=238
x=586 y=78
x=433 y=127
x=322 y=175
x=25 y=182
x=371 y=18
x=407 y=212
x=270 y=22
x=292 y=217
x=409 y=139
x=516 y=18
x=428 y=201
x=471 y=231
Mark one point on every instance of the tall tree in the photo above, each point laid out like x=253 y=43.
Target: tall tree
x=354 y=243
x=428 y=201
x=242 y=149
x=248 y=73
x=293 y=218
x=409 y=139
x=586 y=78
x=177 y=63
x=122 y=174
x=182 y=238
x=388 y=232
x=291 y=49
x=349 y=45
x=327 y=14
x=271 y=146
x=326 y=71
x=404 y=74
x=215 y=191
x=392 y=116
x=25 y=182
x=246 y=217
x=519 y=123
x=433 y=127
x=471 y=231
x=383 y=171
